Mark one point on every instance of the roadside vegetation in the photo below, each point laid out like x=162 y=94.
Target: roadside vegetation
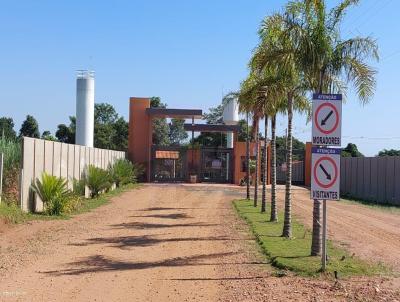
x=294 y=254
x=300 y=52
x=11 y=150
x=60 y=201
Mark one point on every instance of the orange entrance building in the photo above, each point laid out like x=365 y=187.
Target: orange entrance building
x=182 y=163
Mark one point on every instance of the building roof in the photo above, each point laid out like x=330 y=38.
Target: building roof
x=211 y=128
x=175 y=113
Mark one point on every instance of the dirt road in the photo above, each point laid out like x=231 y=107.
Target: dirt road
x=158 y=243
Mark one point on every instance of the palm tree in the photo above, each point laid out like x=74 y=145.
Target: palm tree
x=247 y=157
x=277 y=50
x=327 y=62
x=249 y=93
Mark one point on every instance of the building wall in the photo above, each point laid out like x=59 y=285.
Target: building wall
x=239 y=152
x=140 y=133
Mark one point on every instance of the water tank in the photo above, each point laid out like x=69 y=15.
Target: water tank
x=84 y=108
x=231 y=112
x=230 y=116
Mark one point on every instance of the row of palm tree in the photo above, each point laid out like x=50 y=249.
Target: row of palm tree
x=301 y=51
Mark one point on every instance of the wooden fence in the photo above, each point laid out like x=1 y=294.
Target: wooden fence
x=58 y=159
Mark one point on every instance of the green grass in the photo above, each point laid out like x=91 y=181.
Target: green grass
x=370 y=204
x=294 y=254
x=13 y=214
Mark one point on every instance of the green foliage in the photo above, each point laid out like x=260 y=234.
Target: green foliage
x=7 y=128
x=47 y=136
x=351 y=150
x=66 y=134
x=12 y=161
x=160 y=125
x=298 y=149
x=53 y=191
x=11 y=213
x=294 y=254
x=78 y=187
x=98 y=180
x=177 y=133
x=390 y=152
x=110 y=130
x=122 y=172
x=30 y=127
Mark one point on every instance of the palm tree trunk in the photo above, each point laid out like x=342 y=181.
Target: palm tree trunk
x=247 y=158
x=287 y=224
x=264 y=166
x=256 y=172
x=274 y=210
x=316 y=243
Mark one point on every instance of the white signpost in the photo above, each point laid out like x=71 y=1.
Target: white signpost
x=325 y=162
x=327 y=120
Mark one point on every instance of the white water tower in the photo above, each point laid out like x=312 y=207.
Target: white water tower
x=84 y=108
x=230 y=116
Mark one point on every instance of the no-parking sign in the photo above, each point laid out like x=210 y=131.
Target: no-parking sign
x=327 y=119
x=325 y=173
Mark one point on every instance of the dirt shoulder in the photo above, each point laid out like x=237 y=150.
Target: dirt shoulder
x=158 y=243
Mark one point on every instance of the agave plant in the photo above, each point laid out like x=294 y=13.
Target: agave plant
x=53 y=191
x=122 y=172
x=98 y=180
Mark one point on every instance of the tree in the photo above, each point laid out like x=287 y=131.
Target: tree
x=351 y=150
x=388 y=152
x=29 y=127
x=277 y=51
x=120 y=138
x=7 y=128
x=110 y=130
x=327 y=61
x=160 y=125
x=47 y=136
x=104 y=114
x=66 y=134
x=177 y=133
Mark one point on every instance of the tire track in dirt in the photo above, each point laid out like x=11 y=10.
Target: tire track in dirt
x=158 y=243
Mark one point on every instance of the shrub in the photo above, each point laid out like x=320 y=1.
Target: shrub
x=78 y=187
x=12 y=161
x=97 y=180
x=53 y=191
x=74 y=203
x=122 y=172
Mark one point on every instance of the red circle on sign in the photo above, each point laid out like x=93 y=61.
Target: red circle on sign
x=316 y=118
x=315 y=172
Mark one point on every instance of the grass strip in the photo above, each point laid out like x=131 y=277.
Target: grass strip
x=294 y=254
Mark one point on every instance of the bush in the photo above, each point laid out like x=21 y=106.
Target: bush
x=97 y=180
x=122 y=172
x=53 y=191
x=73 y=204
x=78 y=187
x=12 y=161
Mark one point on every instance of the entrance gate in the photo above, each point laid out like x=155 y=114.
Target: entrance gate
x=169 y=164
x=216 y=165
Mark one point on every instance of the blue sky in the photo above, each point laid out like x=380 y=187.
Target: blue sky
x=187 y=52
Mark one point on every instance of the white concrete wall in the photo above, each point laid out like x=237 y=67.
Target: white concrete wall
x=58 y=159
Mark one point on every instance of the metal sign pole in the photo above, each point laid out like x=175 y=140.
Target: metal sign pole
x=324 y=227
